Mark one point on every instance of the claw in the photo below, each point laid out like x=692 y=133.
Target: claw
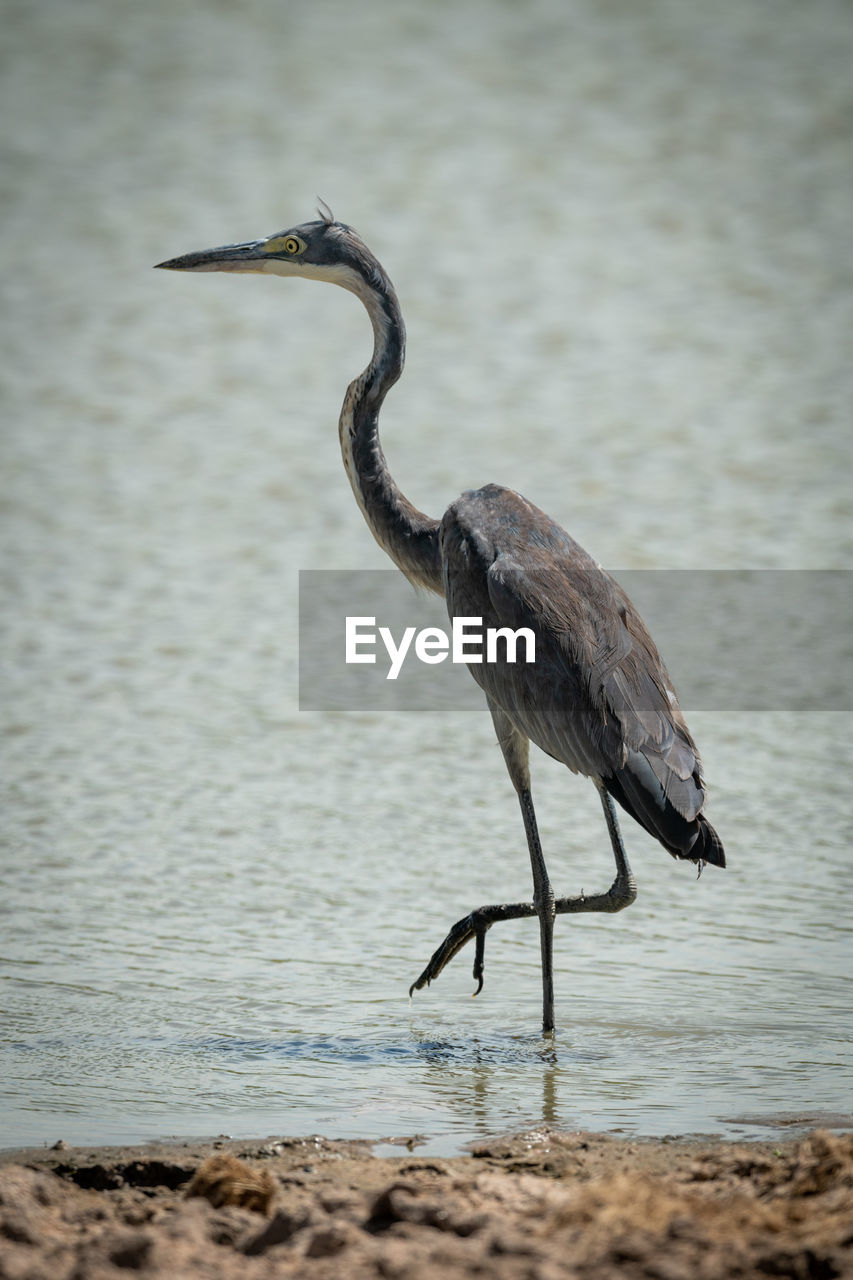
x=423 y=981
x=480 y=960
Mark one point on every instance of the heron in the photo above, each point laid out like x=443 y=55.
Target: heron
x=598 y=697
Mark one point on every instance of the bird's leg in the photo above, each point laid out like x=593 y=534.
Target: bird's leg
x=543 y=901
x=515 y=748
x=516 y=752
x=621 y=894
x=623 y=891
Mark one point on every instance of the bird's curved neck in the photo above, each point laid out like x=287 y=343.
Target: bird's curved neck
x=408 y=536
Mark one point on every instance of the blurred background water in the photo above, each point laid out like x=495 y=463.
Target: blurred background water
x=621 y=238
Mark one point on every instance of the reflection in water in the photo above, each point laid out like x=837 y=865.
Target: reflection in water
x=483 y=1070
x=549 y=1095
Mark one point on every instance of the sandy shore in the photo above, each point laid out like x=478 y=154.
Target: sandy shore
x=535 y=1205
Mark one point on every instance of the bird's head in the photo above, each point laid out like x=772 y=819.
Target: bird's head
x=321 y=250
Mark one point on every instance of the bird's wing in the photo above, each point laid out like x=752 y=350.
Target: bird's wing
x=605 y=679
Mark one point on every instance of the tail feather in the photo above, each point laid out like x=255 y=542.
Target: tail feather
x=693 y=839
x=708 y=846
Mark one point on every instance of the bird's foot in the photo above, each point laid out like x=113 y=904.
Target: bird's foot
x=475 y=926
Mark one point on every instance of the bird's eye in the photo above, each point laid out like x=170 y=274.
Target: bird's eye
x=290 y=245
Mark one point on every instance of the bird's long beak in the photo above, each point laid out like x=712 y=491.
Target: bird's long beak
x=250 y=256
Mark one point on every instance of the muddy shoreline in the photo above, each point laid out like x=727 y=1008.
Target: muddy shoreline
x=540 y=1204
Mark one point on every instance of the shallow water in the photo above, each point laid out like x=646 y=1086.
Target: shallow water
x=621 y=243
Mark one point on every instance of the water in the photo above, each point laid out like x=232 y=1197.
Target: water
x=621 y=243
